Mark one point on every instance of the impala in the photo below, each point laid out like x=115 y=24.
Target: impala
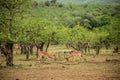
x=43 y=54
x=74 y=54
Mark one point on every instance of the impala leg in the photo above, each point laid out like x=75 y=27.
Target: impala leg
x=80 y=59
x=67 y=59
x=84 y=59
x=42 y=59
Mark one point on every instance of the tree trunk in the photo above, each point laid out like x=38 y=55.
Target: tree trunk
x=116 y=49
x=107 y=45
x=89 y=49
x=23 y=51
x=31 y=49
x=39 y=46
x=80 y=46
x=86 y=47
x=37 y=52
x=97 y=51
x=9 y=53
x=47 y=45
x=27 y=52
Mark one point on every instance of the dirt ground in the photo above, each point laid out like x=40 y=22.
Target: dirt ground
x=95 y=69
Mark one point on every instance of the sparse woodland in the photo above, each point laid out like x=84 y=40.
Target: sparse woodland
x=30 y=26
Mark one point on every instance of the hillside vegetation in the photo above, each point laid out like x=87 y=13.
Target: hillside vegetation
x=87 y=1
x=40 y=24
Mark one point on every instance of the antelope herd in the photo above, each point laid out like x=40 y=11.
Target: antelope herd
x=67 y=55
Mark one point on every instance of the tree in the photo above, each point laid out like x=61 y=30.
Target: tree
x=62 y=35
x=100 y=35
x=41 y=33
x=47 y=3
x=76 y=37
x=114 y=32
x=53 y=1
x=10 y=19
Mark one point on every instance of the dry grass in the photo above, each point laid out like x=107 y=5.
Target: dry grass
x=103 y=67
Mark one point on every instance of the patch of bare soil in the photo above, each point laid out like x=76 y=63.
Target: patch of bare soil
x=81 y=71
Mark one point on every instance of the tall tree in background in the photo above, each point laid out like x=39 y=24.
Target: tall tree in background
x=53 y=1
x=10 y=17
x=114 y=34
